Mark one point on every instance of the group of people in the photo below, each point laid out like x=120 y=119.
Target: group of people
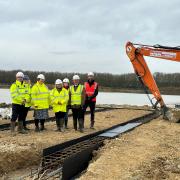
x=61 y=98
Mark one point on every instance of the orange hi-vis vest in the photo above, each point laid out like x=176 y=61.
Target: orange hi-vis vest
x=90 y=89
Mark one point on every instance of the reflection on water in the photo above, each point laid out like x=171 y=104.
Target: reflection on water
x=111 y=98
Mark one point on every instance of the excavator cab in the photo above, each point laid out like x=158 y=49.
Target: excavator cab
x=136 y=53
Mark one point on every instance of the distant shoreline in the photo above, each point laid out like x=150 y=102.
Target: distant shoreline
x=164 y=90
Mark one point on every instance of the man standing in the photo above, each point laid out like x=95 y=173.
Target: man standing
x=17 y=91
x=91 y=91
x=77 y=100
x=40 y=101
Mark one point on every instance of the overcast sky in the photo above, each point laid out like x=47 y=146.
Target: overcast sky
x=85 y=35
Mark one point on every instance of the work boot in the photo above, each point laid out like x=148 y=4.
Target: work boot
x=13 y=125
x=81 y=126
x=62 y=125
x=26 y=129
x=20 y=128
x=65 y=123
x=58 y=125
x=92 y=125
x=37 y=129
x=42 y=127
x=75 y=124
x=57 y=129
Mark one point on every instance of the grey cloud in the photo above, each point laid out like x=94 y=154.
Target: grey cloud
x=91 y=33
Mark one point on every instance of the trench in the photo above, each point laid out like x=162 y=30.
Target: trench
x=67 y=160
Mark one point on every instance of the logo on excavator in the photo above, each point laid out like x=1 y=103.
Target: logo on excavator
x=163 y=54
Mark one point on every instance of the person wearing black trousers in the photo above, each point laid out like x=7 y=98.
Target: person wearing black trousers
x=66 y=85
x=76 y=97
x=91 y=91
x=27 y=106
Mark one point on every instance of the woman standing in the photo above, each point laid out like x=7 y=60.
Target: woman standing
x=40 y=100
x=59 y=99
x=27 y=84
x=66 y=85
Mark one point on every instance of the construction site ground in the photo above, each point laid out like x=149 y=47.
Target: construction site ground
x=18 y=154
x=151 y=151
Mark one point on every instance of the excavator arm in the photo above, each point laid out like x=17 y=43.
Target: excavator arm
x=136 y=53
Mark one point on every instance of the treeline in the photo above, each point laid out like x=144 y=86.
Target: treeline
x=122 y=81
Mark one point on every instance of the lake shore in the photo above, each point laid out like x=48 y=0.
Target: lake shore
x=163 y=90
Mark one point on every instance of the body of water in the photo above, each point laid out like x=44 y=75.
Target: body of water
x=112 y=98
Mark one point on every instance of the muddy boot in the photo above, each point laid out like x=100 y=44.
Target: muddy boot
x=66 y=122
x=26 y=129
x=92 y=125
x=13 y=124
x=36 y=125
x=62 y=125
x=83 y=123
x=66 y=127
x=75 y=124
x=42 y=128
x=58 y=125
x=81 y=126
x=24 y=126
x=37 y=129
x=20 y=128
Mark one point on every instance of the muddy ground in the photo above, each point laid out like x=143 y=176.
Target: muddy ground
x=151 y=151
x=24 y=151
x=29 y=117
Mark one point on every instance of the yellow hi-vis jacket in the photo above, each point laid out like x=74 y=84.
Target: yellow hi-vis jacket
x=40 y=96
x=56 y=97
x=27 y=94
x=17 y=91
x=76 y=96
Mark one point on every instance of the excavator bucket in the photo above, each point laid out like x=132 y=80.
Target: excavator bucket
x=169 y=115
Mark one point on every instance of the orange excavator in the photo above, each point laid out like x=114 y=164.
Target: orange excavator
x=136 y=53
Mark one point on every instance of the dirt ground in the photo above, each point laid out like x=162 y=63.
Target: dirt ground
x=29 y=117
x=151 y=151
x=24 y=151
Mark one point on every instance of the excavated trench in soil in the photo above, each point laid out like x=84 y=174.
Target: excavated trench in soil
x=69 y=159
x=24 y=151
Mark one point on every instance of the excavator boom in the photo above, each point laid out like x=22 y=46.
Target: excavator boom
x=136 y=56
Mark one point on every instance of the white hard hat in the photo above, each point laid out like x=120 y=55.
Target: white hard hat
x=58 y=81
x=90 y=74
x=65 y=80
x=76 y=77
x=41 y=76
x=20 y=74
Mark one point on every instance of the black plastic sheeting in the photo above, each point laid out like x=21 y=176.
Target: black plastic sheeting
x=66 y=144
x=76 y=163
